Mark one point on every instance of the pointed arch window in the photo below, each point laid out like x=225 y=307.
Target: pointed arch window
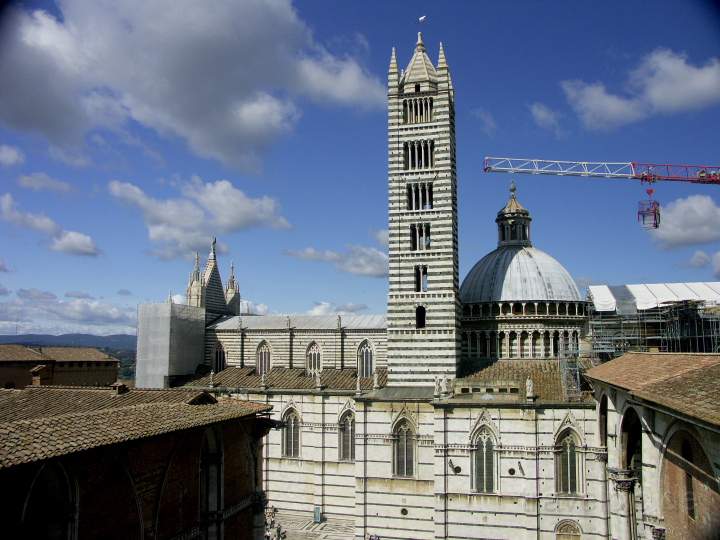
x=484 y=462
x=567 y=530
x=291 y=434
x=313 y=362
x=211 y=482
x=263 y=358
x=219 y=360
x=365 y=360
x=51 y=505
x=404 y=449
x=566 y=463
x=346 y=437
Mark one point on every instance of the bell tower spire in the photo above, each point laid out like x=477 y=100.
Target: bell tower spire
x=423 y=300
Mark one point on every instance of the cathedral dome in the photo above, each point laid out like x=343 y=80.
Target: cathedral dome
x=516 y=271
x=518 y=274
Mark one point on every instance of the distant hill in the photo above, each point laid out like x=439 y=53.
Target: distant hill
x=115 y=341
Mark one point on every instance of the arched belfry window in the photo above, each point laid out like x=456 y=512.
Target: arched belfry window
x=365 y=360
x=211 y=484
x=50 y=508
x=566 y=463
x=346 y=437
x=484 y=462
x=263 y=358
x=313 y=362
x=403 y=449
x=219 y=360
x=291 y=434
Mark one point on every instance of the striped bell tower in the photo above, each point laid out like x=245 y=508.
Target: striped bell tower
x=423 y=299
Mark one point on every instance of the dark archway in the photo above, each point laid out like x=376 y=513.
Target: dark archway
x=51 y=507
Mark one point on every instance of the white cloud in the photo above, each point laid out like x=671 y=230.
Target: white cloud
x=186 y=224
x=35 y=295
x=328 y=308
x=251 y=308
x=545 y=117
x=360 y=260
x=71 y=242
x=382 y=237
x=74 y=243
x=79 y=294
x=663 y=83
x=3 y=266
x=10 y=155
x=700 y=259
x=227 y=80
x=124 y=292
x=487 y=121
x=4 y=291
x=41 y=181
x=690 y=221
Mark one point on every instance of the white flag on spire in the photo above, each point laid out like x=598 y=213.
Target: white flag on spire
x=422 y=19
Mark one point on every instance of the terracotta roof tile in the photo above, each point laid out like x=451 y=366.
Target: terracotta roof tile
x=685 y=382
x=289 y=379
x=13 y=352
x=10 y=352
x=25 y=441
x=545 y=374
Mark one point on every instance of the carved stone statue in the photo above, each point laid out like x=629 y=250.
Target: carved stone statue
x=437 y=387
x=529 y=388
x=444 y=385
x=263 y=380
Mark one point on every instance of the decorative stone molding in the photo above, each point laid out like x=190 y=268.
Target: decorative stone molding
x=622 y=479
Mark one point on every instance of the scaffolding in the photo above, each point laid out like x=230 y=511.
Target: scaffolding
x=682 y=326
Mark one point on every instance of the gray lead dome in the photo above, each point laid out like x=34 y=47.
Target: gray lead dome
x=518 y=274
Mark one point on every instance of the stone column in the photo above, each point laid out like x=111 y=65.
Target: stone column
x=622 y=504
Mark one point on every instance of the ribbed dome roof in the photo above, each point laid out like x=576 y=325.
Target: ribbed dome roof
x=518 y=274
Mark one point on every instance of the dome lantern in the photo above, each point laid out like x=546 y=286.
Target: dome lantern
x=513 y=222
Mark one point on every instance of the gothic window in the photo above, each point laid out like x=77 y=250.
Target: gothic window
x=263 y=358
x=365 y=360
x=291 y=435
x=346 y=437
x=313 y=363
x=50 y=509
x=211 y=485
x=566 y=463
x=419 y=196
x=420 y=317
x=484 y=462
x=417 y=88
x=603 y=420
x=219 y=361
x=403 y=449
x=421 y=278
x=567 y=530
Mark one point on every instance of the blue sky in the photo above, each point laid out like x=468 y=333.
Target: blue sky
x=131 y=132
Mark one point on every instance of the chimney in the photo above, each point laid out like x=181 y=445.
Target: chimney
x=120 y=388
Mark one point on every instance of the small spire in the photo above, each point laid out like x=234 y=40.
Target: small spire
x=212 y=248
x=420 y=46
x=513 y=188
x=170 y=298
x=442 y=63
x=197 y=262
x=393 y=62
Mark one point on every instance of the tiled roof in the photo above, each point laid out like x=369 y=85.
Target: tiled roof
x=48 y=401
x=34 y=436
x=545 y=374
x=685 y=382
x=302 y=322
x=12 y=352
x=289 y=379
x=83 y=354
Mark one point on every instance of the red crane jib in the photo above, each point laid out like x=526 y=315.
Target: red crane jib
x=697 y=174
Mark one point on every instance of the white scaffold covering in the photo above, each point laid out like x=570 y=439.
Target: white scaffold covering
x=651 y=295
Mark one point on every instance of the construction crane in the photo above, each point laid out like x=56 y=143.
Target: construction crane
x=648 y=210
